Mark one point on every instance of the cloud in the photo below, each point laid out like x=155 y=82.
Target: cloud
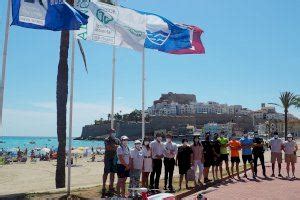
x=41 y=120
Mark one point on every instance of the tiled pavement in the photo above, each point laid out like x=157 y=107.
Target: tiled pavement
x=259 y=189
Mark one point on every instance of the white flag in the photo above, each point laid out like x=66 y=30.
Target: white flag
x=112 y=25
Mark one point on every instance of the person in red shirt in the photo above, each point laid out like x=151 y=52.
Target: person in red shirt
x=235 y=146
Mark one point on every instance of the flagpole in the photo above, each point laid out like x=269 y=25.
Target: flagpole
x=143 y=94
x=4 y=56
x=113 y=88
x=71 y=113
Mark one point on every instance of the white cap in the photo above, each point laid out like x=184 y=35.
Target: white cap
x=289 y=136
x=137 y=142
x=124 y=137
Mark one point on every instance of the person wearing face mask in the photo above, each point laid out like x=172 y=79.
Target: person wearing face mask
x=208 y=153
x=123 y=166
x=276 y=146
x=290 y=150
x=136 y=164
x=110 y=161
x=157 y=152
x=147 y=162
x=216 y=162
x=247 y=144
x=224 y=153
x=198 y=158
x=258 y=153
x=235 y=147
x=170 y=152
x=184 y=161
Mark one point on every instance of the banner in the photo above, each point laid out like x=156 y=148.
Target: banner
x=53 y=15
x=132 y=29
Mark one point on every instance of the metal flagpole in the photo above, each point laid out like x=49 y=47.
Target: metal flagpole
x=4 y=55
x=112 y=118
x=71 y=113
x=143 y=94
x=113 y=88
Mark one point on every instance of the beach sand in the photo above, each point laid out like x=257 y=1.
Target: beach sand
x=40 y=176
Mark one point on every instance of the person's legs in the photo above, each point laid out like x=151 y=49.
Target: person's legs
x=143 y=179
x=293 y=168
x=216 y=171
x=153 y=173
x=186 y=182
x=123 y=181
x=279 y=169
x=273 y=160
x=262 y=162
x=158 y=172
x=166 y=163
x=111 y=181
x=237 y=169
x=213 y=172
x=288 y=169
x=221 y=169
x=227 y=167
x=104 y=178
x=171 y=171
x=232 y=166
x=180 y=181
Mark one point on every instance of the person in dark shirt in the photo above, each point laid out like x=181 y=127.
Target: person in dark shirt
x=208 y=153
x=258 y=152
x=184 y=161
x=110 y=160
x=216 y=162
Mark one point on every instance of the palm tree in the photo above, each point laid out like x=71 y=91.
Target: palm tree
x=287 y=99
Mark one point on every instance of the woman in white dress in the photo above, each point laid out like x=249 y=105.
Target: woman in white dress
x=147 y=162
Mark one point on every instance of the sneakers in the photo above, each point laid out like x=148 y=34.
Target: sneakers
x=279 y=175
x=165 y=188
x=273 y=175
x=103 y=195
x=245 y=176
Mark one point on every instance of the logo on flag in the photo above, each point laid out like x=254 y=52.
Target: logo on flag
x=159 y=37
x=103 y=17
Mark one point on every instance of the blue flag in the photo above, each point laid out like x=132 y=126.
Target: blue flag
x=55 y=15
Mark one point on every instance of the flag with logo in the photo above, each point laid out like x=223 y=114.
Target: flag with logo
x=53 y=15
x=130 y=28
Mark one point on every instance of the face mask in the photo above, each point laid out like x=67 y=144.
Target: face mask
x=276 y=136
x=159 y=139
x=290 y=139
x=138 y=146
x=245 y=135
x=185 y=144
x=196 y=140
x=168 y=139
x=125 y=142
x=113 y=135
x=146 y=143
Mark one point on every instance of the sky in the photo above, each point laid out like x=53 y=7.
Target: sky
x=252 y=54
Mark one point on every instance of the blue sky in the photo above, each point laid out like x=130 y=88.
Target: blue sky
x=252 y=54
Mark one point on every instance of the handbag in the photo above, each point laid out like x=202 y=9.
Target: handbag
x=190 y=175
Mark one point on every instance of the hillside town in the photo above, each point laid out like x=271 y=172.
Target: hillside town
x=182 y=115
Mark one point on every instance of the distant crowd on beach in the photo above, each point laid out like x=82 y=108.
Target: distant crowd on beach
x=145 y=160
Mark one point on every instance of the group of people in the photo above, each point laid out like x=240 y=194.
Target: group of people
x=146 y=159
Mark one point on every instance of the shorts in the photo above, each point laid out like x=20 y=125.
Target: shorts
x=208 y=160
x=290 y=158
x=247 y=158
x=276 y=156
x=110 y=166
x=122 y=172
x=216 y=161
x=235 y=160
x=224 y=157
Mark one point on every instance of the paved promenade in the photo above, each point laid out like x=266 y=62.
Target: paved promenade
x=259 y=189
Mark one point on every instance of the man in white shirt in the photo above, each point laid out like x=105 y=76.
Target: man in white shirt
x=170 y=152
x=290 y=149
x=157 y=150
x=276 y=146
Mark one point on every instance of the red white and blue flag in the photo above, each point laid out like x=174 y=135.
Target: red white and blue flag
x=195 y=39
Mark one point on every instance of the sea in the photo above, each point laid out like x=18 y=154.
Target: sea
x=10 y=142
